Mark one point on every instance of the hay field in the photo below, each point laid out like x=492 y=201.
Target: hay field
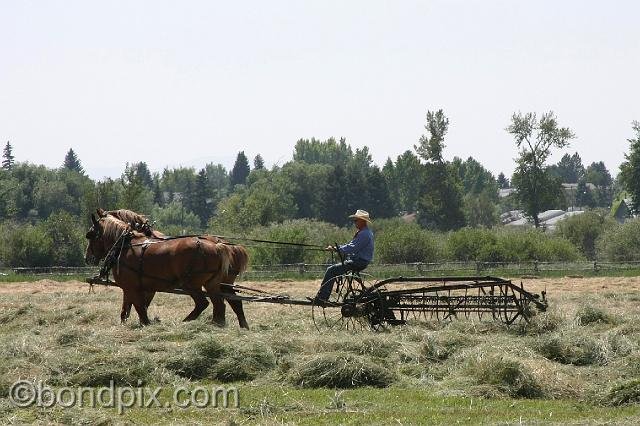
x=578 y=363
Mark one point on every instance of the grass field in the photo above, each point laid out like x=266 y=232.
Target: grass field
x=578 y=363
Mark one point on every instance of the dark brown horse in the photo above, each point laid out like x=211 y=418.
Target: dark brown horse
x=141 y=265
x=239 y=262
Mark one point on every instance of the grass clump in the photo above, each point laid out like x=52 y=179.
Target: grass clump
x=244 y=362
x=588 y=314
x=440 y=346
x=102 y=369
x=509 y=376
x=624 y=393
x=572 y=349
x=208 y=358
x=336 y=370
x=197 y=360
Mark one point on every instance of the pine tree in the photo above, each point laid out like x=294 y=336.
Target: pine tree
x=240 y=170
x=71 y=162
x=7 y=155
x=258 y=162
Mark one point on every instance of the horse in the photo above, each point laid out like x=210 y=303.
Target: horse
x=239 y=262
x=141 y=265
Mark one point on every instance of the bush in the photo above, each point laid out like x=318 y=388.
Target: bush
x=340 y=371
x=530 y=244
x=473 y=244
x=303 y=231
x=401 y=242
x=583 y=231
x=620 y=243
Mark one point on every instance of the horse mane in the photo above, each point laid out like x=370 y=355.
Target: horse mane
x=128 y=216
x=112 y=227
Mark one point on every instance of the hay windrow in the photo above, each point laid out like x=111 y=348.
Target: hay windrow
x=338 y=370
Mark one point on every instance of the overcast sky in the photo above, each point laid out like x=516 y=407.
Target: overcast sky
x=188 y=82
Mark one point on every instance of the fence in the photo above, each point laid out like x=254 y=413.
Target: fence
x=315 y=271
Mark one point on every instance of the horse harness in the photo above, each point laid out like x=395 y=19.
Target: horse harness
x=112 y=258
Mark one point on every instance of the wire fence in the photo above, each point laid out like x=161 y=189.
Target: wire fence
x=379 y=271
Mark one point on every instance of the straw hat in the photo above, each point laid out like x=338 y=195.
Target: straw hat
x=361 y=214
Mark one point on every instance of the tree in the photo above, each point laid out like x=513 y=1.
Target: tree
x=430 y=146
x=71 y=162
x=570 y=168
x=135 y=195
x=258 y=162
x=502 y=181
x=536 y=188
x=240 y=170
x=142 y=174
x=407 y=178
x=7 y=155
x=330 y=152
x=584 y=196
x=440 y=205
x=630 y=169
x=598 y=175
x=201 y=198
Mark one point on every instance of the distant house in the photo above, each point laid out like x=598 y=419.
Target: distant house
x=621 y=211
x=505 y=192
x=548 y=219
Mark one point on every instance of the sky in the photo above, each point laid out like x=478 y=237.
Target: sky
x=184 y=83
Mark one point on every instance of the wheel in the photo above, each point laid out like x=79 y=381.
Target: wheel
x=346 y=289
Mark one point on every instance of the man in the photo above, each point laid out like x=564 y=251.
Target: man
x=358 y=254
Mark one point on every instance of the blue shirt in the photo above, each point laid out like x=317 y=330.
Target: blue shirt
x=361 y=247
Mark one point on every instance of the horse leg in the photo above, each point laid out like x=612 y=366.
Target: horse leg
x=126 y=308
x=218 y=303
x=236 y=305
x=200 y=302
x=148 y=297
x=141 y=309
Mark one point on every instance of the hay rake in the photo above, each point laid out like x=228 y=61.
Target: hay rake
x=394 y=301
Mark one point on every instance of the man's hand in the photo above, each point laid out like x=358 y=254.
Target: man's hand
x=330 y=248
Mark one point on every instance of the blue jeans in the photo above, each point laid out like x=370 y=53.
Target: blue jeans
x=336 y=270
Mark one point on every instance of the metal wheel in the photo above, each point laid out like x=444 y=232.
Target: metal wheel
x=346 y=288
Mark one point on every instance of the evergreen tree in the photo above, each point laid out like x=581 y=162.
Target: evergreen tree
x=200 y=198
x=142 y=174
x=71 y=162
x=240 y=170
x=503 y=182
x=258 y=162
x=570 y=168
x=7 y=155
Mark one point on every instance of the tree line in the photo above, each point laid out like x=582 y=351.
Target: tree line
x=325 y=181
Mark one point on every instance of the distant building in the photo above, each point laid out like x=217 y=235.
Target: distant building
x=505 y=192
x=622 y=211
x=548 y=219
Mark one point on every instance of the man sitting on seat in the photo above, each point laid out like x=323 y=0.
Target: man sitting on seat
x=358 y=252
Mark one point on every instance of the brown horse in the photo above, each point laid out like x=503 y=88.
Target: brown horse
x=239 y=262
x=140 y=265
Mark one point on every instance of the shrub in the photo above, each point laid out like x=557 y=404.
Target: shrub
x=473 y=244
x=340 y=371
x=400 y=242
x=530 y=244
x=620 y=243
x=583 y=231
x=303 y=231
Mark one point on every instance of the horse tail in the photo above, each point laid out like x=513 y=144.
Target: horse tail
x=226 y=259
x=240 y=259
